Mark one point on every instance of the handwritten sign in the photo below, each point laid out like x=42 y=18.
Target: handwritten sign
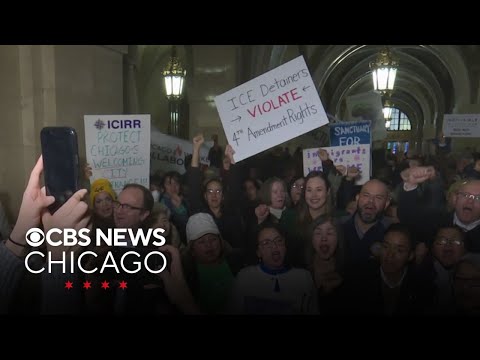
x=354 y=155
x=311 y=161
x=118 y=147
x=350 y=133
x=167 y=153
x=461 y=125
x=271 y=109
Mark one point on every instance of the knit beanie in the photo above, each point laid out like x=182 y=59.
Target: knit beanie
x=98 y=186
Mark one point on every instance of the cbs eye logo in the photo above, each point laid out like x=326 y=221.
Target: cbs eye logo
x=35 y=237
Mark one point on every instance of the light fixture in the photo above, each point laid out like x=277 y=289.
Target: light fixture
x=387 y=112
x=174 y=75
x=384 y=71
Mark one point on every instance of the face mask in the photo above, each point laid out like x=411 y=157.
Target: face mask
x=156 y=195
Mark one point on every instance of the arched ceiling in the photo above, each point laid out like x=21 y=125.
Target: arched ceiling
x=431 y=80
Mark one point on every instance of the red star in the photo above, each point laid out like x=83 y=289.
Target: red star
x=105 y=285
x=87 y=285
x=123 y=284
x=68 y=285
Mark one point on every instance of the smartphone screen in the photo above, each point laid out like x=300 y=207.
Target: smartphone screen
x=60 y=163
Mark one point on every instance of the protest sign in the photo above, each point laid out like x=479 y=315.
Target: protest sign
x=167 y=153
x=271 y=109
x=117 y=148
x=350 y=133
x=354 y=155
x=461 y=125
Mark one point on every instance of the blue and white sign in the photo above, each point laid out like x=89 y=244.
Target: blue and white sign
x=350 y=133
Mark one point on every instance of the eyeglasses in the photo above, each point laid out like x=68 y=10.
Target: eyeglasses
x=442 y=240
x=214 y=191
x=268 y=243
x=118 y=205
x=469 y=196
x=296 y=186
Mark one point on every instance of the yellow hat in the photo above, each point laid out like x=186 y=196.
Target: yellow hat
x=98 y=186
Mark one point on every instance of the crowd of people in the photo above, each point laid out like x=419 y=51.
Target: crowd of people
x=257 y=237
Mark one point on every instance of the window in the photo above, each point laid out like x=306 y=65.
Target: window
x=399 y=121
x=397 y=147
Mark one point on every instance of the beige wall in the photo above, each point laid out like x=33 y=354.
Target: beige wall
x=89 y=81
x=45 y=85
x=215 y=72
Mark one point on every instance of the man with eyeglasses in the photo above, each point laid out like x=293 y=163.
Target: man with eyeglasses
x=130 y=210
x=133 y=206
x=414 y=209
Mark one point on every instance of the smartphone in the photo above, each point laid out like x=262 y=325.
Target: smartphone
x=60 y=163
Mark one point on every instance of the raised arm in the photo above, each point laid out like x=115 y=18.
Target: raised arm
x=194 y=177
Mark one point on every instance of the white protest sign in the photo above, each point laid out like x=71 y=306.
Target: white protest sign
x=118 y=148
x=271 y=109
x=167 y=153
x=461 y=125
x=311 y=161
x=354 y=155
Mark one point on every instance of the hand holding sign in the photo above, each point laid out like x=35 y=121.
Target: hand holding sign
x=323 y=154
x=229 y=152
x=352 y=161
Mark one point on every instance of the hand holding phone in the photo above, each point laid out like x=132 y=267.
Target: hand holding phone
x=60 y=163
